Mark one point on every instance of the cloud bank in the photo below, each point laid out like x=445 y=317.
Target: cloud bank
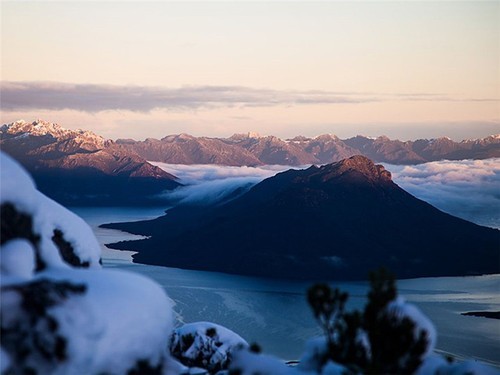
x=469 y=189
x=98 y=97
x=209 y=184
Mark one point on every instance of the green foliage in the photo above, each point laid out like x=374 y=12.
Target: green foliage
x=374 y=341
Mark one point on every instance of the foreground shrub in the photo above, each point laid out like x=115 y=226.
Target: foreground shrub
x=205 y=345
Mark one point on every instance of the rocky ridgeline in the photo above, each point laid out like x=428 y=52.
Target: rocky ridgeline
x=76 y=166
x=252 y=149
x=42 y=139
x=337 y=221
x=86 y=140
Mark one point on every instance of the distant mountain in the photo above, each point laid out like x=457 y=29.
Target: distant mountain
x=338 y=221
x=273 y=150
x=252 y=149
x=383 y=149
x=76 y=167
x=445 y=148
x=186 y=149
x=80 y=167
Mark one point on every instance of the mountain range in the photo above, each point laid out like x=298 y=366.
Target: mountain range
x=251 y=149
x=337 y=221
x=79 y=167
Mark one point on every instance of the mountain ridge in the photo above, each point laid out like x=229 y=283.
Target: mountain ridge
x=252 y=149
x=337 y=221
x=80 y=167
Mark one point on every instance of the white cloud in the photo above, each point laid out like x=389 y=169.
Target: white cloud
x=207 y=184
x=95 y=98
x=469 y=189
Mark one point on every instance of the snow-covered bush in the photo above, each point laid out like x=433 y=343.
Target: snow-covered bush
x=389 y=337
x=246 y=362
x=205 y=345
x=436 y=364
x=58 y=236
x=60 y=312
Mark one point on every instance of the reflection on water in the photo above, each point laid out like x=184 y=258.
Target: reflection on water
x=95 y=216
x=275 y=313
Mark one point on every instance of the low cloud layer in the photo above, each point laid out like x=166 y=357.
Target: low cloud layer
x=208 y=184
x=469 y=189
x=97 y=97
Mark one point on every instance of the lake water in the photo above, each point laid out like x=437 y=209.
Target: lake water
x=275 y=313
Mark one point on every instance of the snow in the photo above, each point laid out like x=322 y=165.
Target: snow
x=66 y=320
x=332 y=368
x=122 y=318
x=18 y=259
x=401 y=309
x=76 y=231
x=18 y=189
x=41 y=128
x=249 y=363
x=4 y=361
x=436 y=364
x=9 y=298
x=313 y=359
x=315 y=350
x=208 y=342
x=16 y=186
x=227 y=337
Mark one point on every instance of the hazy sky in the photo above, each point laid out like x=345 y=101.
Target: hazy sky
x=148 y=69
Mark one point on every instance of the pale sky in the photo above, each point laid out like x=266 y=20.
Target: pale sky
x=147 y=69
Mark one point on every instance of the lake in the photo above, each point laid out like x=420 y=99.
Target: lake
x=275 y=314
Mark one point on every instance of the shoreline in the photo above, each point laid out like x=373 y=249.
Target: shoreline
x=227 y=283
x=429 y=294
x=483 y=314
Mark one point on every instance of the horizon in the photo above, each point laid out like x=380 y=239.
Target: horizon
x=407 y=70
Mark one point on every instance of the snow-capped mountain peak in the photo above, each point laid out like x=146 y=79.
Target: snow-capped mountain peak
x=39 y=128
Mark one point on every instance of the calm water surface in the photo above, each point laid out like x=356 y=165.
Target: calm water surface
x=275 y=314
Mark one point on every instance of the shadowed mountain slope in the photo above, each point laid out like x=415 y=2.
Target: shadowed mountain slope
x=338 y=221
x=80 y=167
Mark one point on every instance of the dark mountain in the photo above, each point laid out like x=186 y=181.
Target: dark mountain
x=251 y=149
x=80 y=167
x=338 y=221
